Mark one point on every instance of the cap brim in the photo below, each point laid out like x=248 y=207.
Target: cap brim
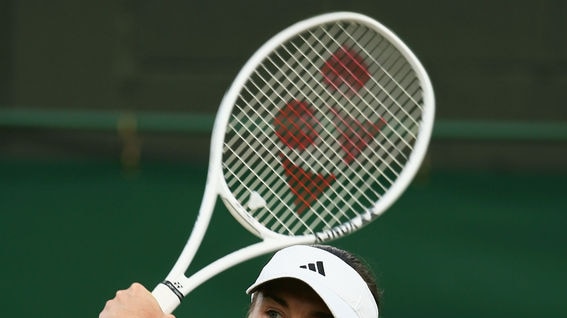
x=337 y=306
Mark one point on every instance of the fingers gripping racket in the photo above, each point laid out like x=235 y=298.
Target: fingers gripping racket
x=321 y=131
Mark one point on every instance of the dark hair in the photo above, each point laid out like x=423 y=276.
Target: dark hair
x=353 y=261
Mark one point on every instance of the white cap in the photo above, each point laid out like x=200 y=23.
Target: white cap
x=342 y=289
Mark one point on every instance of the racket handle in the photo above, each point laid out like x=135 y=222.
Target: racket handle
x=167 y=299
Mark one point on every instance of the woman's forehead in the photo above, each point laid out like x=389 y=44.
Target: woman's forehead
x=295 y=296
x=293 y=287
x=290 y=285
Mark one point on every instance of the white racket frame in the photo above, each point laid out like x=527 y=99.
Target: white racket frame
x=169 y=297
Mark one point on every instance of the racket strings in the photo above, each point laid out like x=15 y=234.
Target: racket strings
x=280 y=222
x=293 y=91
x=253 y=147
x=268 y=179
x=348 y=126
x=392 y=80
x=314 y=159
x=253 y=157
x=353 y=199
x=389 y=51
x=298 y=60
x=263 y=177
x=369 y=106
x=245 y=179
x=389 y=139
x=357 y=108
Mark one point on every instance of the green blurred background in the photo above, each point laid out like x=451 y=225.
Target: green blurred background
x=106 y=109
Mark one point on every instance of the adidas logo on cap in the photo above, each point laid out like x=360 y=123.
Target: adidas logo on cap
x=316 y=267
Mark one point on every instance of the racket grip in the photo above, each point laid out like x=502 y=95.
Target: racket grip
x=167 y=298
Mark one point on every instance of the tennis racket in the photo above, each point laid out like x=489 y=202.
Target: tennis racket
x=321 y=131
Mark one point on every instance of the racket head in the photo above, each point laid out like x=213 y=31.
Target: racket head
x=322 y=130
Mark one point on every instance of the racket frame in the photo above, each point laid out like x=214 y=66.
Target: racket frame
x=176 y=284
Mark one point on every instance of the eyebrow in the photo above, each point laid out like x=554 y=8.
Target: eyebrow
x=282 y=302
x=277 y=299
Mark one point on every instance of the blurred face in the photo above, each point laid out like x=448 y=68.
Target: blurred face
x=288 y=298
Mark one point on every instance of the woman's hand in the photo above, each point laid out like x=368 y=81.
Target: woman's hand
x=134 y=302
